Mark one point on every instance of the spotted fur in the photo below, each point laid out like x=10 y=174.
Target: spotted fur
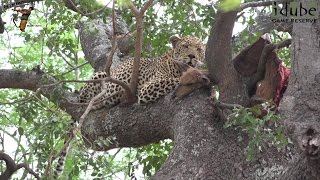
x=157 y=76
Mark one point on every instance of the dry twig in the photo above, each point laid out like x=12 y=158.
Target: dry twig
x=114 y=44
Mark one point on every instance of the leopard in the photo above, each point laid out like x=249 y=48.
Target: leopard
x=157 y=76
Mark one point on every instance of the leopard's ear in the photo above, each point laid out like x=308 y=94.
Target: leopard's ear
x=174 y=40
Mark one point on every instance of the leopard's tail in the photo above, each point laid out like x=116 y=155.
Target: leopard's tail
x=61 y=162
x=62 y=158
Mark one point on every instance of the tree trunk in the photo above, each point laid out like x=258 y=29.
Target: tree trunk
x=300 y=105
x=203 y=148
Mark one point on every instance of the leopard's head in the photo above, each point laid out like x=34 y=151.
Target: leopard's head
x=189 y=50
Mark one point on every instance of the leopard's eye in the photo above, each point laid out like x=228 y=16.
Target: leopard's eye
x=185 y=45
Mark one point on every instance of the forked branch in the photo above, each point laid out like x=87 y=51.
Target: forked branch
x=12 y=167
x=138 y=44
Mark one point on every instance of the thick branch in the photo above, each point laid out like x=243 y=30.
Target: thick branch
x=17 y=79
x=135 y=11
x=12 y=167
x=51 y=88
x=32 y=80
x=220 y=41
x=220 y=65
x=255 y=4
x=201 y=143
x=146 y=6
x=139 y=124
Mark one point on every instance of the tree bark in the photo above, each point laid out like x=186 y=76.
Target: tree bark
x=95 y=39
x=300 y=105
x=203 y=148
x=219 y=60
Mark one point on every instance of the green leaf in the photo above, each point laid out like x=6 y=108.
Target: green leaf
x=124 y=3
x=229 y=5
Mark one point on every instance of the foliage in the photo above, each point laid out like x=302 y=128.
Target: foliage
x=187 y=17
x=37 y=126
x=262 y=125
x=229 y=5
x=252 y=32
x=283 y=53
x=246 y=36
x=153 y=156
x=30 y=120
x=35 y=123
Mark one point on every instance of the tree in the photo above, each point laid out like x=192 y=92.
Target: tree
x=300 y=104
x=203 y=148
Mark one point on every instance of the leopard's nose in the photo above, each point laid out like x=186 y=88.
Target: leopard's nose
x=191 y=56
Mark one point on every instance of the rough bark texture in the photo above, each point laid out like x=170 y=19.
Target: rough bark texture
x=300 y=105
x=203 y=148
x=130 y=126
x=232 y=89
x=96 y=41
x=19 y=79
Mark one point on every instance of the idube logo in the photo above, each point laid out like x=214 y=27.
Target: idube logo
x=298 y=12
